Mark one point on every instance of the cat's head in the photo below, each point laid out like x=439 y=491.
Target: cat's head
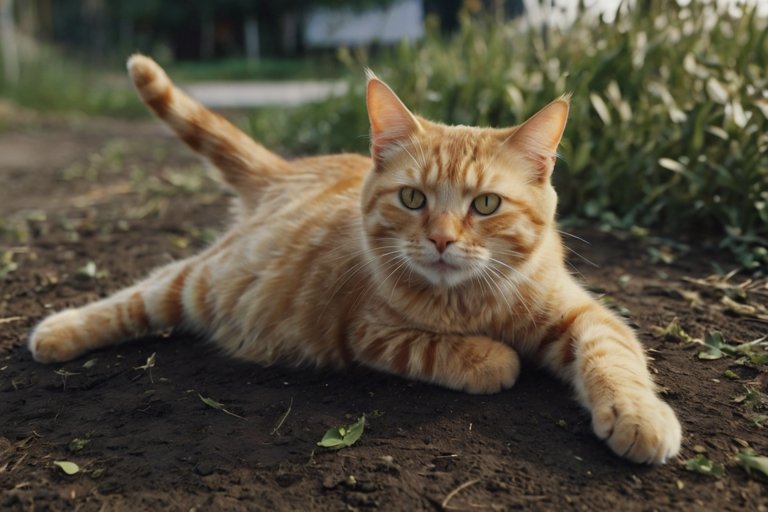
x=455 y=204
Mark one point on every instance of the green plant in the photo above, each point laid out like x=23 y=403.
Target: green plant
x=51 y=81
x=669 y=121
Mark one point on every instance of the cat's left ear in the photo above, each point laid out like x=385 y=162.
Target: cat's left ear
x=540 y=136
x=392 y=124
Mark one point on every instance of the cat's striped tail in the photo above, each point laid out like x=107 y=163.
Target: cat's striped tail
x=245 y=165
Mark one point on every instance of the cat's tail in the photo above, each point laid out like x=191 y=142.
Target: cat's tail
x=245 y=165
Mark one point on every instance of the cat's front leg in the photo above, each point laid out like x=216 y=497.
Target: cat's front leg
x=475 y=364
x=596 y=352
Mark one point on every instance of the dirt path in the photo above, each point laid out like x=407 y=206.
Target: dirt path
x=87 y=207
x=263 y=93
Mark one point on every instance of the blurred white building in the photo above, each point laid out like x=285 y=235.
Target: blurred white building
x=400 y=20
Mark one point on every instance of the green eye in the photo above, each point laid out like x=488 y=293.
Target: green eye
x=411 y=198
x=486 y=204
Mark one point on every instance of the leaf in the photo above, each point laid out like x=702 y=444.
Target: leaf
x=210 y=402
x=7 y=265
x=759 y=420
x=737 y=308
x=342 y=437
x=88 y=271
x=672 y=165
x=67 y=467
x=76 y=445
x=601 y=108
x=715 y=346
x=750 y=461
x=716 y=91
x=674 y=331
x=702 y=465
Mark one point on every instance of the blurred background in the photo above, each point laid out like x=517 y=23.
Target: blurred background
x=667 y=135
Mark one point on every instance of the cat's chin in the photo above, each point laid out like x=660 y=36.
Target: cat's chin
x=444 y=274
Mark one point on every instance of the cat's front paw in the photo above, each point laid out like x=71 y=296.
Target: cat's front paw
x=54 y=340
x=638 y=426
x=494 y=367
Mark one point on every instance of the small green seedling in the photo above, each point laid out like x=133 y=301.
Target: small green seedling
x=77 y=445
x=701 y=464
x=752 y=462
x=342 y=437
x=67 y=467
x=147 y=367
x=151 y=360
x=210 y=402
x=716 y=347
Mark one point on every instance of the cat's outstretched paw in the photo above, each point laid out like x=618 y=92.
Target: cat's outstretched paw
x=495 y=368
x=640 y=427
x=54 y=340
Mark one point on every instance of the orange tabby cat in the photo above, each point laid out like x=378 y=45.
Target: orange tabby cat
x=438 y=260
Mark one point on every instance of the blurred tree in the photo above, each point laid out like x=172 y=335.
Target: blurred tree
x=189 y=29
x=10 y=50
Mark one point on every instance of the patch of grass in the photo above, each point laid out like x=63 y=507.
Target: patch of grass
x=52 y=82
x=668 y=129
x=313 y=68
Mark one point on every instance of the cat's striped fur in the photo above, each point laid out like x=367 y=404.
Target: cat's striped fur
x=326 y=265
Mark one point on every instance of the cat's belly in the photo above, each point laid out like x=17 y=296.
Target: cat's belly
x=284 y=291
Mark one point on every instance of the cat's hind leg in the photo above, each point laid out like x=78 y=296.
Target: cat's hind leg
x=152 y=304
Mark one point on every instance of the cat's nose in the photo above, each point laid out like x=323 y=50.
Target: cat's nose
x=441 y=242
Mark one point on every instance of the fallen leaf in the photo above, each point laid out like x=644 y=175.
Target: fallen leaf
x=750 y=461
x=702 y=465
x=76 y=444
x=674 y=331
x=342 y=437
x=67 y=467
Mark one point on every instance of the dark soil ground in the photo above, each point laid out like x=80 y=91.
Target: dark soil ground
x=87 y=206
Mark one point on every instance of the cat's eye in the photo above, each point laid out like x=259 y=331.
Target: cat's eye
x=486 y=204
x=412 y=198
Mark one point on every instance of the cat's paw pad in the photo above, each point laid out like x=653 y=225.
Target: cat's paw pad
x=54 y=340
x=640 y=427
x=498 y=369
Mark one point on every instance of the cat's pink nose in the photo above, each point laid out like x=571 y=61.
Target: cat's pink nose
x=441 y=242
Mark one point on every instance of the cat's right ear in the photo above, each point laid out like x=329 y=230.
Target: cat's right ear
x=392 y=124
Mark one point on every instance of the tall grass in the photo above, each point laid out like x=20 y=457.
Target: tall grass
x=668 y=128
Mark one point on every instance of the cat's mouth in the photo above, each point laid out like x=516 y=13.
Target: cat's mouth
x=443 y=266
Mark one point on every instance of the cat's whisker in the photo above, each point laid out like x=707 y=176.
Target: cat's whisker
x=485 y=271
x=514 y=287
x=562 y=232
x=585 y=259
x=351 y=272
x=394 y=286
